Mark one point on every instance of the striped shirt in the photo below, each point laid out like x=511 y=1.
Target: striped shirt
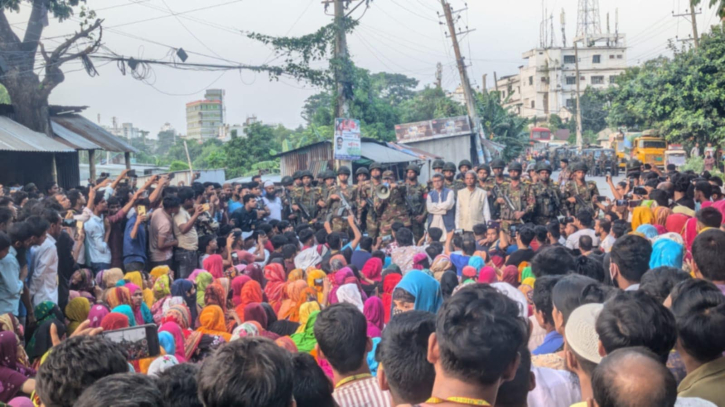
x=362 y=393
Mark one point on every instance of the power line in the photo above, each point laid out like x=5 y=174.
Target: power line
x=189 y=31
x=414 y=13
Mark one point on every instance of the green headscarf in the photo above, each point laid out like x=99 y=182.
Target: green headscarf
x=527 y=273
x=202 y=281
x=46 y=311
x=306 y=340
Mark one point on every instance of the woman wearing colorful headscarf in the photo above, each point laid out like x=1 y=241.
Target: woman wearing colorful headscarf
x=350 y=294
x=181 y=316
x=315 y=279
x=77 y=311
x=82 y=281
x=137 y=278
x=372 y=271
x=666 y=252
x=440 y=265
x=117 y=296
x=374 y=312
x=216 y=295
x=175 y=330
x=14 y=377
x=159 y=271
x=389 y=282
x=186 y=290
x=305 y=311
x=126 y=311
x=212 y=322
x=275 y=276
x=140 y=310
x=203 y=279
x=648 y=231
x=255 y=272
x=306 y=340
x=296 y=274
x=162 y=294
x=111 y=277
x=9 y=323
x=237 y=285
x=251 y=292
x=41 y=341
x=214 y=264
x=96 y=314
x=47 y=310
x=115 y=320
x=418 y=291
x=289 y=309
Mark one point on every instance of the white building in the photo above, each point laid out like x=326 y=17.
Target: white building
x=546 y=85
x=204 y=118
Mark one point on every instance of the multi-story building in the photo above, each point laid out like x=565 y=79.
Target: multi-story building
x=204 y=118
x=546 y=85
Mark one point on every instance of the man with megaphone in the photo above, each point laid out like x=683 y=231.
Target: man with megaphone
x=391 y=204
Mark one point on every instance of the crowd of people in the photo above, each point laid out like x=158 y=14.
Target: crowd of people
x=481 y=288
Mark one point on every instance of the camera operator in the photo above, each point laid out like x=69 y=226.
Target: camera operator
x=583 y=222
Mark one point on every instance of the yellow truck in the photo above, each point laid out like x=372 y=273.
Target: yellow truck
x=648 y=147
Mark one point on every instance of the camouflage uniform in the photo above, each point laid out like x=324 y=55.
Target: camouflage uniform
x=372 y=219
x=339 y=223
x=307 y=199
x=564 y=177
x=391 y=210
x=549 y=202
x=586 y=193
x=522 y=199
x=416 y=195
x=206 y=225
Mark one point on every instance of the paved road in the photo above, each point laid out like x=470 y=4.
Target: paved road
x=601 y=183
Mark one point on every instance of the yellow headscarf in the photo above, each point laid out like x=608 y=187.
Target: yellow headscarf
x=135 y=277
x=312 y=275
x=305 y=310
x=642 y=215
x=296 y=274
x=159 y=271
x=162 y=287
x=77 y=311
x=111 y=277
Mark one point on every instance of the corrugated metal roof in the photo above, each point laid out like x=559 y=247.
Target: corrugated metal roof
x=74 y=140
x=301 y=148
x=16 y=137
x=94 y=133
x=384 y=154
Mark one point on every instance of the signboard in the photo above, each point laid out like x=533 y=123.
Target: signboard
x=347 y=145
x=432 y=129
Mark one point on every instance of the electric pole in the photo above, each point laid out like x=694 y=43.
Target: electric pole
x=693 y=20
x=342 y=106
x=465 y=83
x=578 y=104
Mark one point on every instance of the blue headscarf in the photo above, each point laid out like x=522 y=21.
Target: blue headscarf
x=425 y=289
x=181 y=288
x=649 y=231
x=666 y=252
x=126 y=310
x=476 y=262
x=372 y=362
x=166 y=340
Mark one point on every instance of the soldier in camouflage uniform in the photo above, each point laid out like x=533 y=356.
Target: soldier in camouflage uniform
x=334 y=201
x=579 y=193
x=549 y=199
x=485 y=181
x=416 y=205
x=308 y=197
x=450 y=181
x=297 y=178
x=362 y=174
x=565 y=174
x=393 y=208
x=531 y=177
x=519 y=194
x=328 y=178
x=438 y=165
x=495 y=184
x=367 y=195
x=285 y=195
x=463 y=167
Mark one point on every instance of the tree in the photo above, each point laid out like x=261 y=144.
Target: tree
x=28 y=92
x=720 y=4
x=165 y=141
x=243 y=152
x=506 y=127
x=178 y=166
x=429 y=103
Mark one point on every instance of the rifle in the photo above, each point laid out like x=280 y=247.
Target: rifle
x=505 y=198
x=302 y=210
x=410 y=204
x=346 y=207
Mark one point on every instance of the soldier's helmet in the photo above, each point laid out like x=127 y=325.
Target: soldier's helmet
x=542 y=166
x=388 y=175
x=413 y=167
x=466 y=163
x=498 y=163
x=287 y=181
x=580 y=166
x=343 y=170
x=297 y=175
x=376 y=166
x=329 y=174
x=516 y=167
x=449 y=167
x=306 y=173
x=362 y=170
x=438 y=164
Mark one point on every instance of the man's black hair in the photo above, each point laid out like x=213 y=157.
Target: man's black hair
x=403 y=351
x=612 y=380
x=171 y=202
x=514 y=393
x=404 y=237
x=396 y=226
x=552 y=260
x=341 y=333
x=122 y=390
x=705 y=187
x=334 y=240
x=435 y=234
x=366 y=243
x=526 y=234
x=605 y=225
x=620 y=228
x=542 y=296
x=185 y=193
x=248 y=197
x=660 y=197
x=480 y=229
x=476 y=355
x=585 y=217
x=575 y=290
x=631 y=254
x=586 y=244
x=204 y=242
x=251 y=371
x=378 y=254
x=321 y=236
x=100 y=197
x=5 y=241
x=74 y=365
x=469 y=247
x=49 y=185
x=540 y=232
x=20 y=232
x=5 y=201
x=681 y=182
x=707 y=250
x=553 y=229
x=289 y=251
x=253 y=184
x=38 y=225
x=20 y=197
x=278 y=241
x=74 y=196
x=434 y=250
x=307 y=236
x=633 y=318
x=709 y=217
x=699 y=309
x=311 y=387
x=590 y=266
x=659 y=282
x=178 y=385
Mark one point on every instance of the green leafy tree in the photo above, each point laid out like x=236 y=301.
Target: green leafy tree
x=178 y=166
x=429 y=103
x=720 y=4
x=506 y=127
x=243 y=152
x=165 y=141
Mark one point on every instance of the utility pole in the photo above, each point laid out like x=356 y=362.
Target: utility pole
x=578 y=104
x=465 y=83
x=439 y=75
x=342 y=106
x=693 y=20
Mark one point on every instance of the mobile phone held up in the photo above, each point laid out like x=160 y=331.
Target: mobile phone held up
x=139 y=342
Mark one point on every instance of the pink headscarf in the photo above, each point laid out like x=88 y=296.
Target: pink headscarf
x=132 y=288
x=175 y=330
x=511 y=275
x=373 y=311
x=418 y=259
x=373 y=269
x=487 y=275
x=193 y=275
x=237 y=285
x=690 y=233
x=96 y=315
x=214 y=264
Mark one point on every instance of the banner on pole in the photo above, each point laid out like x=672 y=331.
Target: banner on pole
x=347 y=145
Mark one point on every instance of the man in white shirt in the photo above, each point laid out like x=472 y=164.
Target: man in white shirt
x=99 y=254
x=43 y=282
x=583 y=223
x=471 y=205
x=185 y=253
x=440 y=204
x=603 y=228
x=272 y=201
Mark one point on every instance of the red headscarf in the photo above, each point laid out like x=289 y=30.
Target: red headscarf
x=118 y=296
x=487 y=275
x=114 y=321
x=254 y=271
x=511 y=276
x=373 y=268
x=251 y=292
x=216 y=295
x=255 y=312
x=214 y=264
x=275 y=276
x=237 y=285
x=389 y=283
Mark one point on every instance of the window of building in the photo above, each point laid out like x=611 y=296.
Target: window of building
x=596 y=59
x=619 y=56
x=571 y=80
x=612 y=78
x=544 y=79
x=571 y=103
x=503 y=94
x=598 y=80
x=569 y=59
x=533 y=104
x=582 y=79
x=611 y=56
x=531 y=80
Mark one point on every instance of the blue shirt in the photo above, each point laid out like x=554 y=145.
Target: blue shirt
x=233 y=205
x=134 y=250
x=360 y=257
x=98 y=250
x=10 y=285
x=460 y=261
x=553 y=341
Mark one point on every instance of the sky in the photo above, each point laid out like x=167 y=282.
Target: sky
x=400 y=36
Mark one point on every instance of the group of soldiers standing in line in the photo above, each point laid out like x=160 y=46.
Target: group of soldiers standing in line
x=377 y=199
